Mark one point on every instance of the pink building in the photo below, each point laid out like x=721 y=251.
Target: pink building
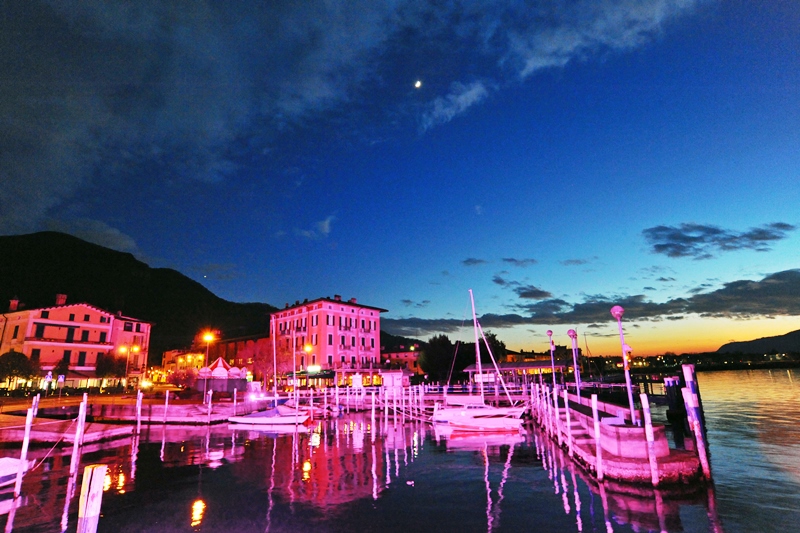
x=77 y=334
x=328 y=334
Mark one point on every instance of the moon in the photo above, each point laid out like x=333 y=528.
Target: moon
x=417 y=84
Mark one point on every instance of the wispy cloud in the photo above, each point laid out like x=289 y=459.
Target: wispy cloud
x=321 y=229
x=97 y=232
x=574 y=262
x=520 y=262
x=460 y=98
x=415 y=305
x=531 y=292
x=472 y=261
x=700 y=241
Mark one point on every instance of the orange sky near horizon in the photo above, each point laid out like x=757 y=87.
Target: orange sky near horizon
x=691 y=335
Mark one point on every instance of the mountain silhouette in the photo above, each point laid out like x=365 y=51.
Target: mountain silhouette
x=37 y=266
x=788 y=343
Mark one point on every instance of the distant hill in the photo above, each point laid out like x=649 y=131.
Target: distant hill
x=36 y=267
x=779 y=344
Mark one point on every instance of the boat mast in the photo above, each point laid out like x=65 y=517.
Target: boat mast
x=477 y=344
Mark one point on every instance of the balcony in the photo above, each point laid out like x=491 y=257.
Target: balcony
x=65 y=341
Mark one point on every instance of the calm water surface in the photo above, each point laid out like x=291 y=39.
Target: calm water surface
x=350 y=474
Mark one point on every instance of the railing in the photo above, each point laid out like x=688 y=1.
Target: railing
x=67 y=341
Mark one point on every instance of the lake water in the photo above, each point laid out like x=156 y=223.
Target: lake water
x=348 y=474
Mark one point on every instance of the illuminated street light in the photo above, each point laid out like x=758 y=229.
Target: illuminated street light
x=208 y=337
x=552 y=357
x=617 y=312
x=574 y=336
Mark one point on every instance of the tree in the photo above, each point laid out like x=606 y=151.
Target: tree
x=61 y=368
x=108 y=366
x=437 y=358
x=183 y=378
x=17 y=365
x=498 y=348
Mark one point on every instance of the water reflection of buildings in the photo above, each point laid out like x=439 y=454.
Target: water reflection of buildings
x=337 y=461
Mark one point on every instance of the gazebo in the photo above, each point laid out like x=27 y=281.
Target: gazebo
x=221 y=377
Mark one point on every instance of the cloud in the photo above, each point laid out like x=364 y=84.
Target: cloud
x=700 y=241
x=574 y=262
x=416 y=305
x=460 y=98
x=501 y=281
x=532 y=293
x=472 y=261
x=97 y=232
x=665 y=280
x=164 y=93
x=321 y=229
x=479 y=210
x=648 y=288
x=520 y=262
x=777 y=294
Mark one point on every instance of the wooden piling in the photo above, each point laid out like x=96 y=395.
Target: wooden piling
x=651 y=446
x=597 y=438
x=23 y=454
x=91 y=498
x=166 y=406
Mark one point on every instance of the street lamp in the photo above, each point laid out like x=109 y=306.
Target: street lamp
x=125 y=350
x=208 y=337
x=574 y=336
x=552 y=357
x=617 y=312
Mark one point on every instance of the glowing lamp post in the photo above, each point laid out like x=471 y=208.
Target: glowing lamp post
x=617 y=312
x=209 y=338
x=552 y=357
x=574 y=336
x=124 y=349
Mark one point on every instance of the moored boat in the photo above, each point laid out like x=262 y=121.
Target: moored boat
x=279 y=415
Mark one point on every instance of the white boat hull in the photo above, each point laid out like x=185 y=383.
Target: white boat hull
x=281 y=415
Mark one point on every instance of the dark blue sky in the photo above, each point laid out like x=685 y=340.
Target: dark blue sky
x=558 y=157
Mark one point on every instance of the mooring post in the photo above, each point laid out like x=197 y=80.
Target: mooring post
x=569 y=425
x=73 y=465
x=166 y=406
x=235 y=391
x=91 y=498
x=694 y=420
x=138 y=411
x=651 y=444
x=557 y=417
x=373 y=407
x=210 y=396
x=23 y=454
x=597 y=444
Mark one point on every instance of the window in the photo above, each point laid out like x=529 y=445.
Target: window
x=330 y=360
x=314 y=339
x=313 y=359
x=302 y=361
x=138 y=328
x=372 y=343
x=363 y=342
x=35 y=354
x=342 y=359
x=352 y=341
x=128 y=326
x=81 y=358
x=353 y=360
x=84 y=335
x=67 y=356
x=362 y=323
x=330 y=339
x=45 y=314
x=16 y=332
x=103 y=336
x=342 y=340
x=103 y=320
x=39 y=333
x=86 y=318
x=315 y=320
x=72 y=317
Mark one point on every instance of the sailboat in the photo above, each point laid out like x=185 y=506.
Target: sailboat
x=468 y=413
